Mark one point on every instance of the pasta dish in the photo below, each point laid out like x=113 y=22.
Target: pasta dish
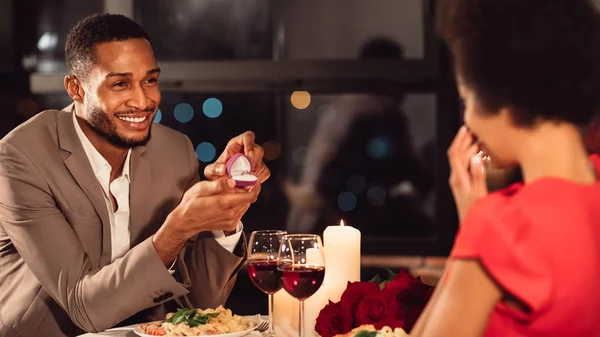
x=197 y=322
x=368 y=330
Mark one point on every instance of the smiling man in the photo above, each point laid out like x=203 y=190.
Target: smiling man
x=103 y=217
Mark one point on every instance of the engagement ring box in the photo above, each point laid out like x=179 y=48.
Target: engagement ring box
x=239 y=168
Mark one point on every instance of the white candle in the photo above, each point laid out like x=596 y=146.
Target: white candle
x=285 y=308
x=342 y=258
x=314 y=304
x=342 y=265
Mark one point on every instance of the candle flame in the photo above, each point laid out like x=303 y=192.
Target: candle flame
x=341 y=222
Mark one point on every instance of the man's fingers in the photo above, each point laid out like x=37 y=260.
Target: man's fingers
x=241 y=197
x=264 y=174
x=215 y=171
x=257 y=158
x=207 y=188
x=248 y=139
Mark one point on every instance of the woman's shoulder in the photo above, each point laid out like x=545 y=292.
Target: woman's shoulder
x=501 y=203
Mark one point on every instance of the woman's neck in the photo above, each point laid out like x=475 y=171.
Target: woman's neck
x=555 y=150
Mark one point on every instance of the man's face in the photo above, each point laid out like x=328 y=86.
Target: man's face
x=121 y=92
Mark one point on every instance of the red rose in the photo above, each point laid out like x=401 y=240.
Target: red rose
x=333 y=320
x=373 y=309
x=354 y=293
x=403 y=280
x=406 y=292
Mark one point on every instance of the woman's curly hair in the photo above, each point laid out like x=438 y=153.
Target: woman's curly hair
x=541 y=58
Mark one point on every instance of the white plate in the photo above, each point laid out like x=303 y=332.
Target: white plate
x=256 y=319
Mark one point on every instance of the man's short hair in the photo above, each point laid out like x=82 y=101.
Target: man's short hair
x=80 y=48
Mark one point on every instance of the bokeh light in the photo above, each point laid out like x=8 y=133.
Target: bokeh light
x=157 y=116
x=347 y=201
x=300 y=99
x=272 y=150
x=212 y=107
x=184 y=112
x=206 y=152
x=378 y=147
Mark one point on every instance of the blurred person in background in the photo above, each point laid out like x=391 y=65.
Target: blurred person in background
x=369 y=140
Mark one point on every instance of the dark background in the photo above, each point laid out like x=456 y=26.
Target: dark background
x=388 y=173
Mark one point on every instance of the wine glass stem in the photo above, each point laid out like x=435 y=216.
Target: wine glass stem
x=271 y=331
x=301 y=325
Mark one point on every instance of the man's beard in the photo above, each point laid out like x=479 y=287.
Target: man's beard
x=105 y=127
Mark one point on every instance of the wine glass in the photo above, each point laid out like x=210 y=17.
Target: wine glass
x=263 y=251
x=302 y=266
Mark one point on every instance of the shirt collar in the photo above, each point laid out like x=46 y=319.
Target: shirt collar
x=99 y=164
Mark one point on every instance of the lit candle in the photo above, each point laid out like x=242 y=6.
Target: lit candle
x=285 y=308
x=342 y=258
x=341 y=246
x=314 y=304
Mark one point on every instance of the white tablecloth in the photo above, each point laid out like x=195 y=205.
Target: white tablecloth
x=282 y=331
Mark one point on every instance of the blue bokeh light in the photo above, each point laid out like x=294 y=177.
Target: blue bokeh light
x=212 y=107
x=157 y=116
x=184 y=112
x=347 y=201
x=206 y=152
x=378 y=147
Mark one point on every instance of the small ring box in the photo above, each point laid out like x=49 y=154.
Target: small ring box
x=239 y=167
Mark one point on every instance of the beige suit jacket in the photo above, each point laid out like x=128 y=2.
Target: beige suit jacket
x=56 y=277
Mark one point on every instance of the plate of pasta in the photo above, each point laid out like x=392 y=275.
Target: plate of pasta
x=219 y=322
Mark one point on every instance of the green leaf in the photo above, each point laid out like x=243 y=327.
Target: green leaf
x=383 y=284
x=391 y=274
x=365 y=333
x=377 y=279
x=181 y=315
x=191 y=317
x=195 y=322
x=198 y=319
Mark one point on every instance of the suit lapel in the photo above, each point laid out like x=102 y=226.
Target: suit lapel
x=139 y=194
x=80 y=168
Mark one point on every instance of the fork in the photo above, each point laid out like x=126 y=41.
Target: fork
x=262 y=327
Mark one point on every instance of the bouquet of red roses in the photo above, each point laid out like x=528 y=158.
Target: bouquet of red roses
x=396 y=302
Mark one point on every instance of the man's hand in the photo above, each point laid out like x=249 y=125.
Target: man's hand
x=206 y=206
x=467 y=172
x=243 y=143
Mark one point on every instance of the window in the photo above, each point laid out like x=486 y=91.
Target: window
x=190 y=30
x=340 y=29
x=289 y=69
x=45 y=30
x=368 y=157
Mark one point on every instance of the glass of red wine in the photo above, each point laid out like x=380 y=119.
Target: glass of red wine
x=302 y=266
x=263 y=254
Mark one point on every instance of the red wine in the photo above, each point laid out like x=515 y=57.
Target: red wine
x=264 y=275
x=302 y=282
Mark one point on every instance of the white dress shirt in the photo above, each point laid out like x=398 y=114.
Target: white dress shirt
x=119 y=188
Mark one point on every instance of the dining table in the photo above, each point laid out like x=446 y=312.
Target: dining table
x=127 y=331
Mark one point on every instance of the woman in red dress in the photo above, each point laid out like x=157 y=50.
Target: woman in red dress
x=526 y=261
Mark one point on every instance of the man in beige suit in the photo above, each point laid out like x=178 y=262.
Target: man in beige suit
x=103 y=219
